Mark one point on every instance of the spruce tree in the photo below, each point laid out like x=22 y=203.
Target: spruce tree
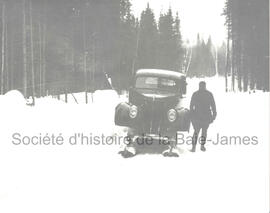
x=127 y=44
x=148 y=40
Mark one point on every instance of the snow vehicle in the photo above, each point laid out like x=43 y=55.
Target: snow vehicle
x=154 y=112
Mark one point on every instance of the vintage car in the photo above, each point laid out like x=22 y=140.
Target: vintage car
x=154 y=112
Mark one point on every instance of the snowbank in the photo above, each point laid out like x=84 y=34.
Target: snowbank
x=13 y=98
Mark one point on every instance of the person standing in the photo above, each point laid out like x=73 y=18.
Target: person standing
x=203 y=113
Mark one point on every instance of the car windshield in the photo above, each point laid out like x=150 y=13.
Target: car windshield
x=156 y=83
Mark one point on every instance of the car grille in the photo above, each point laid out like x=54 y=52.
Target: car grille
x=153 y=117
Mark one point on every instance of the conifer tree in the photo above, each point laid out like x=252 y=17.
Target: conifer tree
x=148 y=37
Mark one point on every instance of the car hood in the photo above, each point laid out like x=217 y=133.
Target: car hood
x=142 y=97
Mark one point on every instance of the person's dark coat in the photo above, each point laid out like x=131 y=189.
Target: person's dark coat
x=203 y=107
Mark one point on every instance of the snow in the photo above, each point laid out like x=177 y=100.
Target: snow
x=13 y=98
x=94 y=178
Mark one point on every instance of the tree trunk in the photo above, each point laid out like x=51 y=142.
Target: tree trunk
x=216 y=61
x=227 y=62
x=11 y=76
x=3 y=48
x=6 y=58
x=44 y=67
x=85 y=58
x=66 y=77
x=24 y=50
x=136 y=51
x=232 y=64
x=32 y=52
x=40 y=57
x=94 y=68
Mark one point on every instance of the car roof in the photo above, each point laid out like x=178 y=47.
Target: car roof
x=160 y=73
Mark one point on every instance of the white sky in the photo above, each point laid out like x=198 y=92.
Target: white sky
x=197 y=16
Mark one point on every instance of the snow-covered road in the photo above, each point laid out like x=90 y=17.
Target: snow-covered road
x=75 y=178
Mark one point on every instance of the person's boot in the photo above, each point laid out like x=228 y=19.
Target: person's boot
x=203 y=149
x=193 y=149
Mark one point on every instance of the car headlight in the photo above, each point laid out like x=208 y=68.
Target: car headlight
x=133 y=112
x=172 y=115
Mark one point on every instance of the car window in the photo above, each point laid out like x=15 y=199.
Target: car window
x=167 y=82
x=147 y=83
x=156 y=83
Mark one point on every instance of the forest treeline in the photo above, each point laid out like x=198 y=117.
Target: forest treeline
x=65 y=46
x=148 y=42
x=204 y=59
x=247 y=23
x=56 y=47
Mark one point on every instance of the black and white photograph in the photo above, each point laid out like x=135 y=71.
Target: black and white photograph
x=134 y=106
